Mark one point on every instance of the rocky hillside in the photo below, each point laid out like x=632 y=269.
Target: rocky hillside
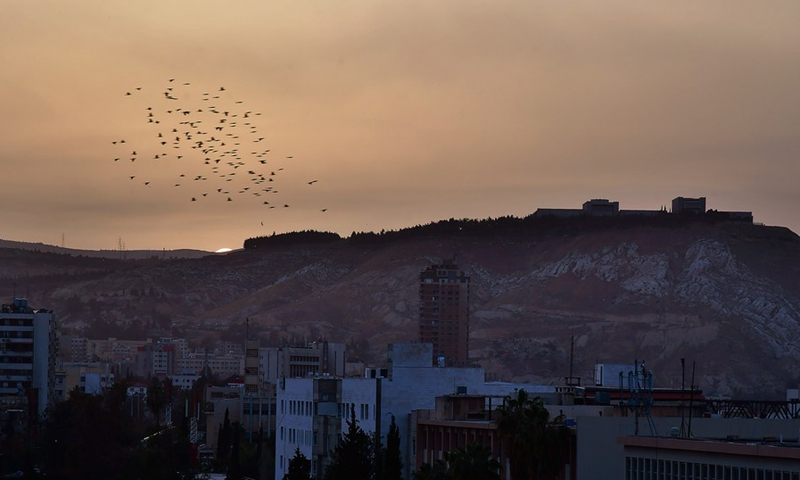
x=722 y=294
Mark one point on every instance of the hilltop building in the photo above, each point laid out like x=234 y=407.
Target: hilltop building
x=444 y=312
x=601 y=207
x=689 y=205
x=27 y=356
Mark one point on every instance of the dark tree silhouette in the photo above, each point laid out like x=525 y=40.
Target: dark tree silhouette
x=224 y=438
x=538 y=447
x=95 y=437
x=156 y=398
x=392 y=463
x=436 y=471
x=299 y=467
x=473 y=462
x=235 y=466
x=353 y=457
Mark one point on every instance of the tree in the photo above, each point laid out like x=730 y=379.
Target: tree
x=393 y=464
x=299 y=467
x=435 y=471
x=156 y=399
x=537 y=446
x=353 y=457
x=234 y=466
x=224 y=438
x=473 y=462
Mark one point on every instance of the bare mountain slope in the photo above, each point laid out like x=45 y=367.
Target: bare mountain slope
x=722 y=294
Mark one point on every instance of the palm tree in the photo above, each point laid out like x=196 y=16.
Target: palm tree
x=473 y=462
x=537 y=446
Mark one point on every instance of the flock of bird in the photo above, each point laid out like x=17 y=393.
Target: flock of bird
x=214 y=138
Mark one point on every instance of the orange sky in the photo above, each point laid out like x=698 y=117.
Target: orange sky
x=405 y=112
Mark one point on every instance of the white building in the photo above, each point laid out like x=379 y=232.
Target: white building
x=413 y=384
x=183 y=381
x=613 y=374
x=317 y=358
x=221 y=367
x=312 y=415
x=27 y=355
x=316 y=409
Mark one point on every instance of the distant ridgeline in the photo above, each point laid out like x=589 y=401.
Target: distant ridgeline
x=562 y=221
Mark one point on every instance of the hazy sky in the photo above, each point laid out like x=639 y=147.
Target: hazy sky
x=405 y=112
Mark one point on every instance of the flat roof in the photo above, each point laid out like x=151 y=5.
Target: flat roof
x=753 y=448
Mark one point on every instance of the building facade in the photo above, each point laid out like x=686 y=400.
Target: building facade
x=27 y=356
x=723 y=459
x=312 y=415
x=444 y=312
x=316 y=358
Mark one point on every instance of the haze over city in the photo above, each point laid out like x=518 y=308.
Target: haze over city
x=393 y=114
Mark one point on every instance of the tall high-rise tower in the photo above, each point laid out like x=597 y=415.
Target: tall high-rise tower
x=28 y=350
x=444 y=312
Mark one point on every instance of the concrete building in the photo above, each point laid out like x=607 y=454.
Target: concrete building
x=252 y=379
x=183 y=381
x=409 y=382
x=413 y=384
x=457 y=421
x=114 y=349
x=72 y=349
x=221 y=367
x=601 y=207
x=605 y=443
x=612 y=374
x=27 y=355
x=88 y=377
x=156 y=358
x=254 y=411
x=312 y=415
x=316 y=358
x=444 y=312
x=696 y=458
x=689 y=205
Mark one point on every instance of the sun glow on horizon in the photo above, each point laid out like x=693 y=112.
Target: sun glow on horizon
x=224 y=250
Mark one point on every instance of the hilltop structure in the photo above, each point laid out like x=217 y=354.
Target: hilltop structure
x=601 y=207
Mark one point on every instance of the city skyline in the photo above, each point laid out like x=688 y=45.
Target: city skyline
x=393 y=115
